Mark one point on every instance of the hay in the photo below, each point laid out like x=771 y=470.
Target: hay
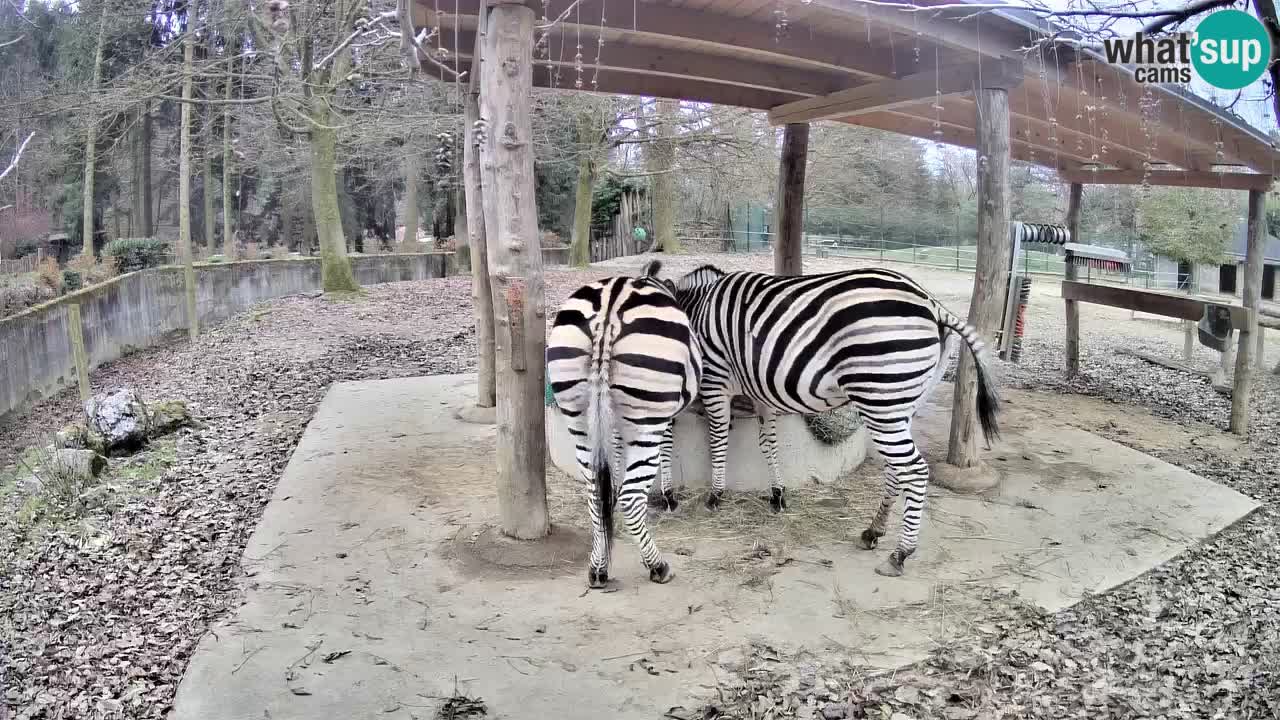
x=834 y=426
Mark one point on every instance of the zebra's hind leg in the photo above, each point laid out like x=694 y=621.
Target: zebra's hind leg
x=716 y=404
x=664 y=460
x=908 y=467
x=601 y=540
x=871 y=536
x=769 y=445
x=642 y=459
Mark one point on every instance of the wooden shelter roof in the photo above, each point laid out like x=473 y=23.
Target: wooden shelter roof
x=882 y=67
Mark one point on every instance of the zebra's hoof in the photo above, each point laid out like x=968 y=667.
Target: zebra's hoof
x=870 y=538
x=597 y=579
x=778 y=501
x=713 y=500
x=892 y=567
x=662 y=572
x=669 y=500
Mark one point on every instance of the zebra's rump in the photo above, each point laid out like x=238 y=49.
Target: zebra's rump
x=632 y=334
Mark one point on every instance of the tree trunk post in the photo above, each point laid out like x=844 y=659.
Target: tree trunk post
x=473 y=200
x=206 y=171
x=1074 y=200
x=663 y=162
x=1252 y=300
x=148 y=207
x=788 y=254
x=228 y=230
x=410 y=216
x=515 y=266
x=75 y=328
x=580 y=240
x=991 y=264
x=335 y=266
x=184 y=193
x=91 y=143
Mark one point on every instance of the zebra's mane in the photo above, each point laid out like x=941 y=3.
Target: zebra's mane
x=699 y=276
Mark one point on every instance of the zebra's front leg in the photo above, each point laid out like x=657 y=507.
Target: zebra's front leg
x=601 y=542
x=664 y=461
x=716 y=405
x=910 y=474
x=642 y=459
x=769 y=445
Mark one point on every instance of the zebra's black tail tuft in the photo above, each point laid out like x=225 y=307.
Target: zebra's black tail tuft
x=604 y=497
x=988 y=401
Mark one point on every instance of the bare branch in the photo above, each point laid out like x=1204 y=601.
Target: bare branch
x=17 y=156
x=14 y=41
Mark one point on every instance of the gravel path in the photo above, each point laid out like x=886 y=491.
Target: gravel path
x=99 y=615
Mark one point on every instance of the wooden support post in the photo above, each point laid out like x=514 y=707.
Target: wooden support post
x=992 y=264
x=1252 y=300
x=788 y=253
x=481 y=288
x=1074 y=199
x=1259 y=359
x=75 y=330
x=515 y=268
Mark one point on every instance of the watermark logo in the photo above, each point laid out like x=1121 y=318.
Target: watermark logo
x=1229 y=50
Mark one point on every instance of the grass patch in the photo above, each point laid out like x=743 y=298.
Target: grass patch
x=346 y=296
x=146 y=467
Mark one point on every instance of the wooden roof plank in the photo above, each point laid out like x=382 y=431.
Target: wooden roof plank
x=1170 y=178
x=889 y=94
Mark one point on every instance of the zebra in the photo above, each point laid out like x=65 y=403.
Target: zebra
x=622 y=362
x=807 y=344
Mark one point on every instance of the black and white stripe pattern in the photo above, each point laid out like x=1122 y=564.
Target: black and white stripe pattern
x=808 y=344
x=622 y=363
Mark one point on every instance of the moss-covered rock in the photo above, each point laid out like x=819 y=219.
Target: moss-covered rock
x=166 y=417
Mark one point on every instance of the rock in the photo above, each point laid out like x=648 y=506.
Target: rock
x=97 y=496
x=78 y=437
x=69 y=463
x=165 y=417
x=835 y=711
x=120 y=418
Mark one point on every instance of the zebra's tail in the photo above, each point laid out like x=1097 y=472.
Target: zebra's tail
x=600 y=426
x=988 y=401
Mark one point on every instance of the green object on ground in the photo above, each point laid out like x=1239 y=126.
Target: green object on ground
x=639 y=234
x=550 y=399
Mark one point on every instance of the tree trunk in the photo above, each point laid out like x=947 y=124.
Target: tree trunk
x=481 y=288
x=664 y=191
x=515 y=265
x=991 y=274
x=148 y=224
x=91 y=142
x=1251 y=298
x=210 y=236
x=1072 y=307
x=135 y=177
x=335 y=267
x=409 y=217
x=228 y=160
x=788 y=252
x=580 y=240
x=184 y=192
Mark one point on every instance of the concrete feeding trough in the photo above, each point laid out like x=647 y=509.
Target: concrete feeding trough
x=802 y=456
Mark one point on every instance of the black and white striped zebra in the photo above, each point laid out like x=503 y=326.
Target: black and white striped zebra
x=622 y=363
x=807 y=344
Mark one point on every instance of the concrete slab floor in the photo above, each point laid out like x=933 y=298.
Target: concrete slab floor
x=375 y=586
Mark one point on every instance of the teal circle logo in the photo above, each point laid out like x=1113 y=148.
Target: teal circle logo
x=1232 y=49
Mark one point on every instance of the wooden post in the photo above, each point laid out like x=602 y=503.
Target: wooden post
x=991 y=264
x=788 y=252
x=473 y=200
x=76 y=332
x=1252 y=300
x=1073 y=308
x=515 y=268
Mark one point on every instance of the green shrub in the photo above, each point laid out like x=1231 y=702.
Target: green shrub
x=137 y=253
x=71 y=281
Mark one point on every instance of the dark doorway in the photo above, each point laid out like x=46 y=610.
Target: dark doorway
x=1227 y=279
x=1269 y=282
x=1184 y=275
